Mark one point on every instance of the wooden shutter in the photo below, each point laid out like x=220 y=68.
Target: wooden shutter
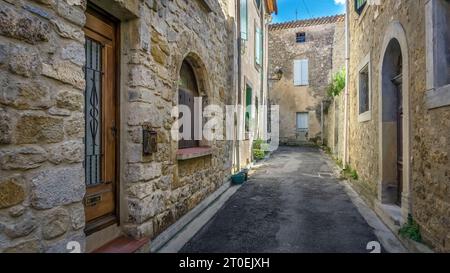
x=305 y=72
x=244 y=19
x=186 y=97
x=297 y=72
x=258 y=46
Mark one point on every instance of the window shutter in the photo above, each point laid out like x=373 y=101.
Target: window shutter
x=305 y=72
x=258 y=46
x=244 y=19
x=297 y=72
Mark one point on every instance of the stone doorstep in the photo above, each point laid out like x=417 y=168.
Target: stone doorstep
x=190 y=153
x=124 y=244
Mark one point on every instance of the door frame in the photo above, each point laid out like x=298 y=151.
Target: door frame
x=108 y=220
x=395 y=31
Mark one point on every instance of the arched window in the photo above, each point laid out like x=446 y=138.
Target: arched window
x=187 y=91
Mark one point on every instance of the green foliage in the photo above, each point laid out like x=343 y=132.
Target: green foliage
x=411 y=230
x=258 y=154
x=337 y=84
x=257 y=144
x=349 y=173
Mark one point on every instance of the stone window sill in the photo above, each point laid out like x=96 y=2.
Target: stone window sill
x=439 y=97
x=365 y=117
x=195 y=152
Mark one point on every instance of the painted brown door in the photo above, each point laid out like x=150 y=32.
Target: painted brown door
x=100 y=121
x=398 y=82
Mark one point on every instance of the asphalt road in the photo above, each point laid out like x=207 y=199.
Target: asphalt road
x=293 y=204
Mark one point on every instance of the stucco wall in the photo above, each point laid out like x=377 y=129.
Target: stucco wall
x=283 y=50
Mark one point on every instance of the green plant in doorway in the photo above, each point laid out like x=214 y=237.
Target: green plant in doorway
x=411 y=230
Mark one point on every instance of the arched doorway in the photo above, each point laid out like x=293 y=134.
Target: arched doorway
x=394 y=121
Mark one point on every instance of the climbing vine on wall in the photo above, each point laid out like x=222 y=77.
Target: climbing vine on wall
x=337 y=84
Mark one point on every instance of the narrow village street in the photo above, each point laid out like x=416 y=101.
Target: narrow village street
x=293 y=203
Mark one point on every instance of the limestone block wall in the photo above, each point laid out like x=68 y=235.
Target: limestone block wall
x=158 y=189
x=41 y=125
x=334 y=107
x=42 y=115
x=428 y=133
x=283 y=50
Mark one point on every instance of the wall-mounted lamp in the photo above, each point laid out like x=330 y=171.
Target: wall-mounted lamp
x=278 y=74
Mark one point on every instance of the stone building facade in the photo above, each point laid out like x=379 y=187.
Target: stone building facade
x=399 y=115
x=304 y=48
x=98 y=80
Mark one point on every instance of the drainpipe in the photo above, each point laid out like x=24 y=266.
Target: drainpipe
x=239 y=83
x=346 y=95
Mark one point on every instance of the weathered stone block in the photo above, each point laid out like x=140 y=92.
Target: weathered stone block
x=143 y=171
x=74 y=126
x=66 y=30
x=65 y=72
x=17 y=211
x=67 y=152
x=29 y=246
x=57 y=186
x=11 y=193
x=72 y=101
x=140 y=76
x=22 y=26
x=24 y=61
x=140 y=210
x=38 y=128
x=77 y=216
x=24 y=227
x=60 y=245
x=72 y=13
x=5 y=128
x=56 y=223
x=141 y=190
x=144 y=113
x=25 y=94
x=74 y=52
x=22 y=158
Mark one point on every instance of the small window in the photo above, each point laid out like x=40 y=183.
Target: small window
x=359 y=5
x=301 y=74
x=248 y=112
x=300 y=37
x=364 y=102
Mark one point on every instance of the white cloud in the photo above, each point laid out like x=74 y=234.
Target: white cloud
x=339 y=2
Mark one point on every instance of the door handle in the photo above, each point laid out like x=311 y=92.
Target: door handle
x=114 y=130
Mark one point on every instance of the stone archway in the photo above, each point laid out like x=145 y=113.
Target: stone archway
x=394 y=121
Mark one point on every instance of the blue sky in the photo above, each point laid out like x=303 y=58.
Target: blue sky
x=307 y=9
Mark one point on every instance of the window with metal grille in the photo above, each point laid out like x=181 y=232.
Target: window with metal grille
x=93 y=119
x=300 y=37
x=359 y=5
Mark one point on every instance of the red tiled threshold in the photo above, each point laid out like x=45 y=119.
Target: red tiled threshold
x=189 y=153
x=123 y=245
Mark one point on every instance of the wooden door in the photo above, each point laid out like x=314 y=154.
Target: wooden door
x=302 y=126
x=398 y=82
x=100 y=121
